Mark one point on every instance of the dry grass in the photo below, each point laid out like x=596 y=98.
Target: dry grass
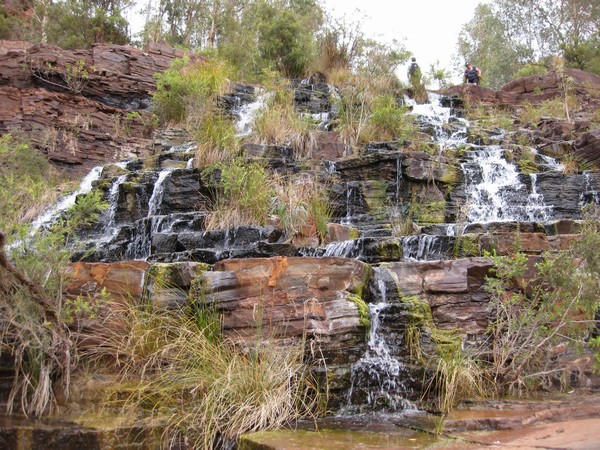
x=302 y=207
x=244 y=195
x=282 y=125
x=216 y=137
x=204 y=389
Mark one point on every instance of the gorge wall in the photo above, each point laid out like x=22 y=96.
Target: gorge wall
x=352 y=296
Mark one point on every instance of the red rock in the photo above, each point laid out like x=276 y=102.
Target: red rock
x=77 y=130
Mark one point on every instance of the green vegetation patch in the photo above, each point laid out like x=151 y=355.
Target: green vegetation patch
x=364 y=316
x=428 y=212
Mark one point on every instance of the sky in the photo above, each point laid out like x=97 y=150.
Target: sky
x=427 y=28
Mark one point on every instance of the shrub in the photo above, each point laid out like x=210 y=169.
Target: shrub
x=280 y=124
x=217 y=140
x=302 y=207
x=189 y=87
x=243 y=195
x=368 y=111
x=33 y=276
x=29 y=183
x=388 y=121
x=531 y=69
x=536 y=316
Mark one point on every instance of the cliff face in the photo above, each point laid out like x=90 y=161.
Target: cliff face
x=348 y=298
x=82 y=108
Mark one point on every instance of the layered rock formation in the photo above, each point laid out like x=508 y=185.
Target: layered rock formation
x=322 y=300
x=82 y=108
x=375 y=270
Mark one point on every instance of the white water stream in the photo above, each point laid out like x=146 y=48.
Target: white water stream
x=378 y=374
x=495 y=192
x=66 y=202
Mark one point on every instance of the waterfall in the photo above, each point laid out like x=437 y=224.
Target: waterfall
x=157 y=194
x=425 y=247
x=494 y=190
x=352 y=197
x=589 y=195
x=66 y=202
x=344 y=249
x=547 y=161
x=141 y=245
x=113 y=201
x=183 y=148
x=247 y=113
x=535 y=207
x=378 y=374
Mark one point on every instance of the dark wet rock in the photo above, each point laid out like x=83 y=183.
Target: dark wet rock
x=240 y=94
x=314 y=98
x=269 y=151
x=184 y=191
x=587 y=148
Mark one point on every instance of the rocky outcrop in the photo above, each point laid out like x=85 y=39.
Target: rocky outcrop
x=553 y=135
x=322 y=300
x=317 y=299
x=534 y=89
x=83 y=108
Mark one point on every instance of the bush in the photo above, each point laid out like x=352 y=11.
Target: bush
x=243 y=194
x=280 y=124
x=217 y=140
x=536 y=317
x=29 y=183
x=189 y=87
x=302 y=207
x=531 y=69
x=389 y=121
x=33 y=276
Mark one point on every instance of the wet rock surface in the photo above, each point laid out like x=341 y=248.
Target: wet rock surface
x=567 y=423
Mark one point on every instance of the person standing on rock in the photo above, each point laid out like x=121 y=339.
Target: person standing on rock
x=472 y=74
x=414 y=73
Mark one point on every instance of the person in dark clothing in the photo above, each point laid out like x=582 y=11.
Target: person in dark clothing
x=472 y=74
x=414 y=73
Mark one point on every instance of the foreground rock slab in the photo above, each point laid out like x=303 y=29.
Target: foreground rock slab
x=571 y=422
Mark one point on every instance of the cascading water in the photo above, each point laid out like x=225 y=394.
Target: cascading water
x=426 y=247
x=589 y=195
x=495 y=192
x=246 y=113
x=113 y=201
x=378 y=376
x=66 y=202
x=157 y=193
x=141 y=245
